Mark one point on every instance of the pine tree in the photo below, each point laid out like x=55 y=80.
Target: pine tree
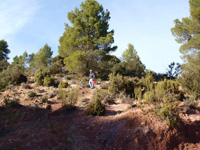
x=132 y=62
x=87 y=35
x=4 y=51
x=187 y=33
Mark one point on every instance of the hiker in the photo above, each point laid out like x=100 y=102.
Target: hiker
x=91 y=76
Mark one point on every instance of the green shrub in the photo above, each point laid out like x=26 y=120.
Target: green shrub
x=95 y=107
x=73 y=96
x=118 y=84
x=138 y=93
x=39 y=77
x=18 y=79
x=167 y=90
x=11 y=76
x=49 y=81
x=55 y=68
x=169 y=112
x=63 y=84
x=68 y=98
x=44 y=99
x=31 y=94
x=149 y=96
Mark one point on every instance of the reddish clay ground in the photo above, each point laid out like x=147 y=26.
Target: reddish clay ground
x=121 y=128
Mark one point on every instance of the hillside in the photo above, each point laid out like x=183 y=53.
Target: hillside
x=35 y=125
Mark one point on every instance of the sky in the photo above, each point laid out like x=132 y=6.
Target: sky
x=29 y=25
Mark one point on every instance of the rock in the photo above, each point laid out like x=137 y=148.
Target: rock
x=41 y=90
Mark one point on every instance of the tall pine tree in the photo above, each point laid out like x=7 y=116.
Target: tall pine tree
x=187 y=33
x=88 y=36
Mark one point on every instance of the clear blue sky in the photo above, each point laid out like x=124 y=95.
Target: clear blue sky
x=30 y=24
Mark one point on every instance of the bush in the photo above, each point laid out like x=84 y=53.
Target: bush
x=39 y=77
x=68 y=98
x=63 y=84
x=12 y=103
x=95 y=107
x=73 y=96
x=11 y=76
x=31 y=94
x=44 y=100
x=169 y=112
x=49 y=81
x=149 y=96
x=18 y=79
x=118 y=84
x=138 y=93
x=167 y=90
x=55 y=68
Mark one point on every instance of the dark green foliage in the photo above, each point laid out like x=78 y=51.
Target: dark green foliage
x=63 y=84
x=107 y=66
x=173 y=70
x=55 y=68
x=190 y=77
x=39 y=77
x=85 y=42
x=132 y=63
x=169 y=112
x=58 y=60
x=187 y=33
x=49 y=81
x=95 y=107
x=118 y=84
x=3 y=64
x=11 y=76
x=88 y=31
x=42 y=58
x=31 y=94
x=18 y=79
x=21 y=60
x=4 y=51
